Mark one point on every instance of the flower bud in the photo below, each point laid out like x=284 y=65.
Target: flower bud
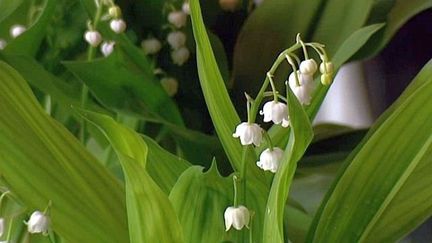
x=237 y=217
x=17 y=30
x=308 y=67
x=228 y=5
x=115 y=12
x=176 y=39
x=249 y=133
x=177 y=18
x=38 y=223
x=326 y=67
x=3 y=44
x=186 y=8
x=274 y=111
x=306 y=88
x=118 y=25
x=326 y=78
x=170 y=85
x=107 y=48
x=270 y=160
x=93 y=37
x=2 y=226
x=151 y=46
x=180 y=56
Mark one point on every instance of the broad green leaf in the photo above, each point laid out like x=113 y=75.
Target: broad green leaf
x=300 y=137
x=330 y=30
x=120 y=85
x=7 y=7
x=41 y=161
x=151 y=216
x=346 y=51
x=28 y=43
x=399 y=14
x=401 y=202
x=219 y=104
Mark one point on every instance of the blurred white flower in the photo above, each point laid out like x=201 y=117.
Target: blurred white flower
x=308 y=67
x=186 y=8
x=176 y=39
x=3 y=44
x=275 y=111
x=118 y=25
x=93 y=37
x=107 y=48
x=170 y=85
x=237 y=217
x=151 y=46
x=258 y=2
x=248 y=133
x=2 y=226
x=306 y=88
x=270 y=160
x=38 y=223
x=177 y=18
x=180 y=56
x=228 y=5
x=16 y=30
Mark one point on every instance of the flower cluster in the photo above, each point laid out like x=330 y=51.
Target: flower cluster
x=94 y=38
x=302 y=83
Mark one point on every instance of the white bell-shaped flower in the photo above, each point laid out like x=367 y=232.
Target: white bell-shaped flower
x=304 y=91
x=228 y=5
x=270 y=159
x=118 y=25
x=2 y=226
x=38 y=223
x=170 y=85
x=16 y=30
x=107 y=48
x=275 y=111
x=176 y=39
x=237 y=217
x=180 y=56
x=3 y=44
x=93 y=37
x=308 y=67
x=249 y=133
x=177 y=18
x=151 y=46
x=186 y=8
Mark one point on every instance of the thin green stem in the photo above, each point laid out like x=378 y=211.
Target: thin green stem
x=275 y=93
x=91 y=52
x=243 y=174
x=235 y=191
x=260 y=95
x=9 y=233
x=268 y=139
x=293 y=66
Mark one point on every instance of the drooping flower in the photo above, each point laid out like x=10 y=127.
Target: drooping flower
x=180 y=56
x=326 y=69
x=93 y=37
x=186 y=8
x=308 y=67
x=118 y=25
x=177 y=18
x=3 y=44
x=107 y=48
x=170 y=85
x=2 y=226
x=38 y=223
x=16 y=30
x=176 y=39
x=151 y=46
x=237 y=217
x=304 y=91
x=275 y=111
x=249 y=133
x=228 y=5
x=270 y=159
